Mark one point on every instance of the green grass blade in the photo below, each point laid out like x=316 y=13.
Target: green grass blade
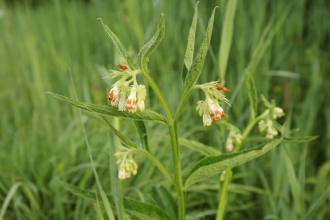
x=189 y=55
x=295 y=187
x=99 y=186
x=148 y=48
x=134 y=208
x=119 y=45
x=226 y=38
x=252 y=94
x=116 y=187
x=214 y=165
x=120 y=135
x=9 y=196
x=112 y=111
x=318 y=203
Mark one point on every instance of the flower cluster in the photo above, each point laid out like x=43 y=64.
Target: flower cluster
x=234 y=137
x=210 y=108
x=271 y=114
x=126 y=163
x=125 y=96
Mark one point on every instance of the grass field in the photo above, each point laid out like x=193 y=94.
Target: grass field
x=42 y=143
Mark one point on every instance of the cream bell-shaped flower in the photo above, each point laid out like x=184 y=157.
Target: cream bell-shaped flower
x=131 y=101
x=122 y=101
x=207 y=120
x=122 y=174
x=216 y=112
x=113 y=94
x=277 y=113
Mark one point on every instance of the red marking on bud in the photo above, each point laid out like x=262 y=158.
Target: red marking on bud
x=222 y=87
x=122 y=67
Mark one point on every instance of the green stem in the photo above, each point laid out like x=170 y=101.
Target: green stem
x=248 y=129
x=160 y=96
x=246 y=132
x=177 y=171
x=158 y=164
x=175 y=147
x=222 y=202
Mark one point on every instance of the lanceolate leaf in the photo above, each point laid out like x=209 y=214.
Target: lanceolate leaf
x=141 y=210
x=113 y=111
x=214 y=165
x=189 y=56
x=148 y=48
x=120 y=135
x=119 y=45
x=198 y=63
x=252 y=94
x=300 y=139
x=197 y=146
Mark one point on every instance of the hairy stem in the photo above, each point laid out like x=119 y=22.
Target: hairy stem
x=172 y=125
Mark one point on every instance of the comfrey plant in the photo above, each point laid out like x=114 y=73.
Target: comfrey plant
x=127 y=100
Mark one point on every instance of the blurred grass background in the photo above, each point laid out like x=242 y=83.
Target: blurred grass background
x=41 y=140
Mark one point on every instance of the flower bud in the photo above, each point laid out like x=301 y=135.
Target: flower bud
x=122 y=174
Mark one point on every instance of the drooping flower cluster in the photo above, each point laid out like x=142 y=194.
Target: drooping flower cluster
x=125 y=96
x=126 y=163
x=210 y=108
x=234 y=137
x=271 y=114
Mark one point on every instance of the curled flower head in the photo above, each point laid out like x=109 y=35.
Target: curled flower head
x=127 y=84
x=234 y=137
x=269 y=116
x=127 y=165
x=210 y=109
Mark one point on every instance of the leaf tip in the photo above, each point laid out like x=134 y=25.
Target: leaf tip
x=100 y=19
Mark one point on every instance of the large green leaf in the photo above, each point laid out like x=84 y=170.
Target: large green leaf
x=148 y=48
x=119 y=45
x=285 y=140
x=197 y=65
x=113 y=111
x=214 y=165
x=197 y=146
x=134 y=208
x=252 y=94
x=189 y=56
